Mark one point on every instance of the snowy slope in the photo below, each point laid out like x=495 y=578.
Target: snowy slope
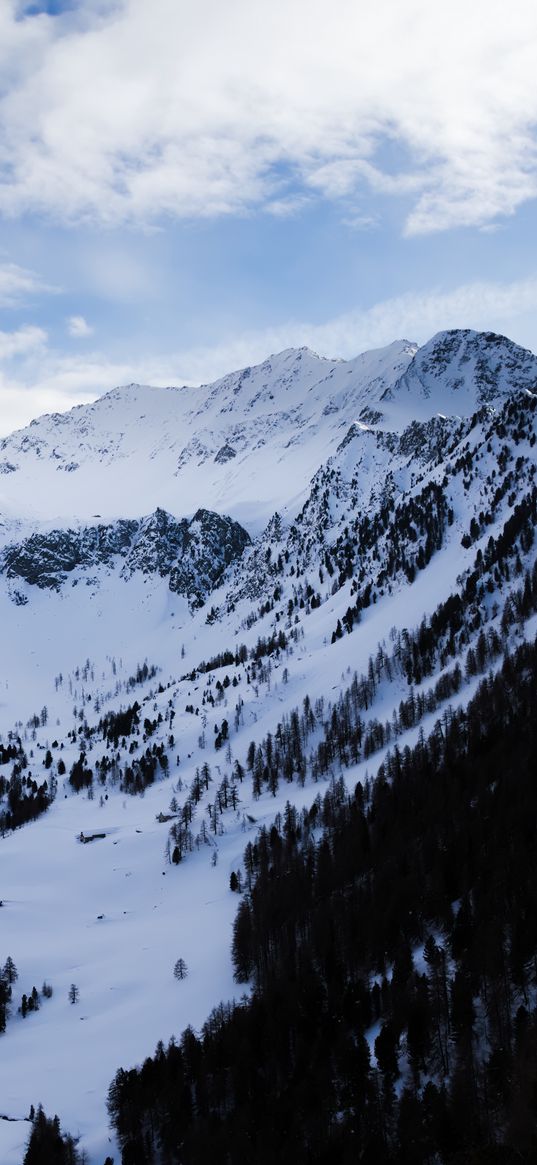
x=384 y=504
x=247 y=444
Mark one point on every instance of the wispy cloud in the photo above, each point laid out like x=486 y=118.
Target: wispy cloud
x=79 y=328
x=127 y=112
x=414 y=316
x=18 y=284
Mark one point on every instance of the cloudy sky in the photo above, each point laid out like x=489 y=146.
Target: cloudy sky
x=188 y=185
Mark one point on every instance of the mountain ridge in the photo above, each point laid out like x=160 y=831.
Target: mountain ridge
x=139 y=448
x=191 y=694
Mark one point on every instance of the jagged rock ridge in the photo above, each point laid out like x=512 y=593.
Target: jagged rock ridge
x=193 y=553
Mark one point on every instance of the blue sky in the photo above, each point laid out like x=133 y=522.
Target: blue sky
x=187 y=186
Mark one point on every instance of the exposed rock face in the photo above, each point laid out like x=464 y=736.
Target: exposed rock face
x=194 y=554
x=429 y=439
x=212 y=543
x=159 y=542
x=45 y=560
x=226 y=453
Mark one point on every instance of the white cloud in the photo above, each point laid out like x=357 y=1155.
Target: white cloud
x=17 y=284
x=129 y=112
x=78 y=327
x=24 y=340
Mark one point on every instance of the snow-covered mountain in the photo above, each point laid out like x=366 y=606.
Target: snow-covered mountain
x=460 y=370
x=179 y=570
x=249 y=443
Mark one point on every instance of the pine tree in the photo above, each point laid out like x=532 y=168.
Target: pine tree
x=5 y=996
x=10 y=973
x=47 y=1146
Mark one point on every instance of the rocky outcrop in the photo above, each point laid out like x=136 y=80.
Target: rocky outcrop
x=226 y=453
x=193 y=553
x=212 y=543
x=45 y=560
x=158 y=544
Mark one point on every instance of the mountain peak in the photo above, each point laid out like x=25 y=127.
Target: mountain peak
x=459 y=370
x=258 y=433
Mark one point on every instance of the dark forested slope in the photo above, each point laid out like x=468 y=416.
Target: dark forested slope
x=391 y=938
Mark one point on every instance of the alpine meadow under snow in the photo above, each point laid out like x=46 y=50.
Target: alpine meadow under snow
x=240 y=623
